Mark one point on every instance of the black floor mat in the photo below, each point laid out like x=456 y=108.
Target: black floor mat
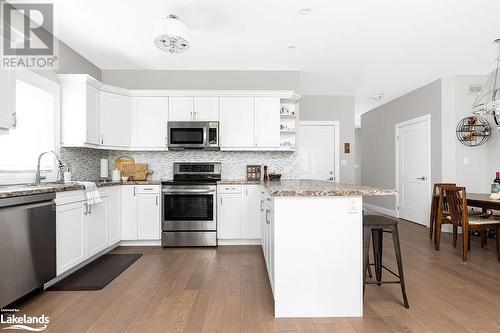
x=98 y=274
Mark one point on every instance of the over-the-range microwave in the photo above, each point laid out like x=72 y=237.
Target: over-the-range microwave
x=193 y=135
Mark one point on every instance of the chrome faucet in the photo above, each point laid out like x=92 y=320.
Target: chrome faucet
x=38 y=176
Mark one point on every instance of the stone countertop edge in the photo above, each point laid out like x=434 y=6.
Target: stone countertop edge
x=72 y=186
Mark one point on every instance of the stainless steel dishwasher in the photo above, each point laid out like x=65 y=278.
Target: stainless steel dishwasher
x=27 y=245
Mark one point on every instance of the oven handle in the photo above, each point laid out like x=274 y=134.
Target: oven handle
x=188 y=191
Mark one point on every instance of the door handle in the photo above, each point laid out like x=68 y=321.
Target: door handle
x=421 y=178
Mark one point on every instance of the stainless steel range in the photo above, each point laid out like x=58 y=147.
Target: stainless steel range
x=189 y=213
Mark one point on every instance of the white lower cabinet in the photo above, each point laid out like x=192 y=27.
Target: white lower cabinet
x=115 y=215
x=71 y=235
x=251 y=212
x=267 y=234
x=97 y=227
x=230 y=216
x=141 y=212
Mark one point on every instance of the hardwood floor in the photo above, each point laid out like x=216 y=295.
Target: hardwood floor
x=226 y=290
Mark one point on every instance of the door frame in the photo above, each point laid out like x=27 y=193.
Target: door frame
x=336 y=133
x=427 y=119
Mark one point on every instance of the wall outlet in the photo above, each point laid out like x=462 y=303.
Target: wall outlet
x=352 y=206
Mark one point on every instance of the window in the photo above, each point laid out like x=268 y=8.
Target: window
x=37 y=130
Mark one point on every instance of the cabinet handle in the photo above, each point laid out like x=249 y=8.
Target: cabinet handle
x=148 y=189
x=14 y=120
x=157 y=200
x=246 y=192
x=86 y=209
x=102 y=138
x=221 y=201
x=90 y=208
x=134 y=190
x=262 y=205
x=267 y=216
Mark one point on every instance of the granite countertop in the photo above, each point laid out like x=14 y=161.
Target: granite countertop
x=11 y=191
x=239 y=182
x=321 y=188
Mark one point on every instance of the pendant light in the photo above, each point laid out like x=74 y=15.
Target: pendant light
x=173 y=35
x=487 y=102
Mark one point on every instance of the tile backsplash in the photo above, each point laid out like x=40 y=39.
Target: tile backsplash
x=85 y=162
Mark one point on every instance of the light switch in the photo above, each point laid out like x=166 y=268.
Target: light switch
x=466 y=161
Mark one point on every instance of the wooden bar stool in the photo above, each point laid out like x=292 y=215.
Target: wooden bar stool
x=376 y=226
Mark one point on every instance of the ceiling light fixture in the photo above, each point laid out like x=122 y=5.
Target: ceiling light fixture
x=305 y=11
x=487 y=103
x=173 y=35
x=376 y=97
x=291 y=48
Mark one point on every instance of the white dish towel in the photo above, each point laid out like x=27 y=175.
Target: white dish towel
x=91 y=192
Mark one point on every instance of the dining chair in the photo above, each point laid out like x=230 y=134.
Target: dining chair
x=457 y=214
x=436 y=189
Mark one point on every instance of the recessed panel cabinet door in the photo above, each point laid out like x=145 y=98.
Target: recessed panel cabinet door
x=71 y=231
x=115 y=215
x=180 y=109
x=236 y=122
x=206 y=108
x=149 y=122
x=148 y=216
x=97 y=227
x=92 y=114
x=115 y=119
x=129 y=212
x=8 y=98
x=251 y=216
x=267 y=122
x=230 y=216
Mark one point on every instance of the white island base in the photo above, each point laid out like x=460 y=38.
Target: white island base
x=317 y=256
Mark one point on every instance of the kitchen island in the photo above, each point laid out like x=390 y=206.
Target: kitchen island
x=314 y=247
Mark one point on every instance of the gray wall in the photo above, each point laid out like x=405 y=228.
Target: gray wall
x=340 y=108
x=199 y=79
x=378 y=142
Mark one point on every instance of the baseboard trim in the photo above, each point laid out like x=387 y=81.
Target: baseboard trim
x=223 y=242
x=383 y=210
x=140 y=243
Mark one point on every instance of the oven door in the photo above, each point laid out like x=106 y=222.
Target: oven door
x=182 y=135
x=188 y=208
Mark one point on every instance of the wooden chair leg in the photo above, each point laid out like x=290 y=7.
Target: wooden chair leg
x=438 y=234
x=498 y=242
x=466 y=244
x=455 y=232
x=484 y=233
x=469 y=237
x=432 y=218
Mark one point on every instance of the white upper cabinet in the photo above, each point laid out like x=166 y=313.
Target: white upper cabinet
x=115 y=119
x=149 y=122
x=79 y=110
x=236 y=122
x=206 y=109
x=8 y=98
x=267 y=122
x=180 y=108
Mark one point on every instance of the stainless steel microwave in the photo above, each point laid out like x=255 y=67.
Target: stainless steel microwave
x=193 y=135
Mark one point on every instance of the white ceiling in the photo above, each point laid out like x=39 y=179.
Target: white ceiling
x=355 y=47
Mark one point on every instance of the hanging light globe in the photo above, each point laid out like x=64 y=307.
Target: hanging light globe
x=487 y=103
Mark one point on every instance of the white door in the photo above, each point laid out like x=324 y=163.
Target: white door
x=317 y=149
x=236 y=121
x=149 y=122
x=230 y=216
x=129 y=212
x=267 y=122
x=180 y=108
x=115 y=215
x=97 y=227
x=148 y=216
x=115 y=119
x=71 y=231
x=206 y=108
x=92 y=114
x=413 y=169
x=251 y=212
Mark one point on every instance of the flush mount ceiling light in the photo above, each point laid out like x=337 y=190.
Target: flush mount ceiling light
x=291 y=48
x=305 y=11
x=376 y=97
x=173 y=35
x=487 y=103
